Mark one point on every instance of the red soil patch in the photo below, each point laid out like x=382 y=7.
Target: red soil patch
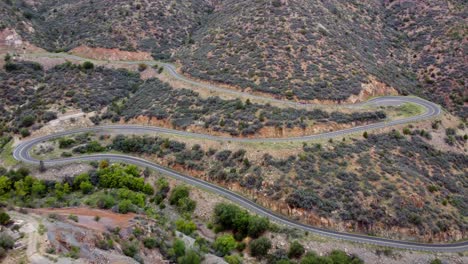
x=86 y=217
x=110 y=54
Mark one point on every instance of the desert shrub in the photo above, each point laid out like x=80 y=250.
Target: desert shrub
x=24 y=132
x=190 y=257
x=224 y=244
x=296 y=250
x=185 y=226
x=4 y=218
x=150 y=242
x=125 y=206
x=73 y=217
x=87 y=65
x=66 y=142
x=142 y=67
x=257 y=225
x=179 y=247
x=233 y=259
x=130 y=249
x=180 y=198
x=105 y=244
x=259 y=247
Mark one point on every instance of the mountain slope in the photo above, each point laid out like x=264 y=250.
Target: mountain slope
x=295 y=49
x=155 y=26
x=437 y=38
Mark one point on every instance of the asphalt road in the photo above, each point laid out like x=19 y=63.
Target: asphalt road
x=21 y=153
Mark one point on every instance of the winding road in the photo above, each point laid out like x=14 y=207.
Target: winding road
x=22 y=153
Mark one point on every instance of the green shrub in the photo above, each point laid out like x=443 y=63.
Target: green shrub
x=186 y=205
x=66 y=142
x=6 y=241
x=179 y=192
x=105 y=201
x=87 y=65
x=73 y=217
x=296 y=250
x=259 y=247
x=86 y=187
x=179 y=247
x=233 y=259
x=105 y=244
x=365 y=134
x=241 y=246
x=191 y=257
x=74 y=252
x=150 y=242
x=185 y=226
x=142 y=67
x=27 y=121
x=180 y=198
x=4 y=218
x=338 y=256
x=24 y=132
x=130 y=249
x=225 y=244
x=125 y=206
x=257 y=226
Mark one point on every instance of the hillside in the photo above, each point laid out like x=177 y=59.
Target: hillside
x=436 y=34
x=296 y=49
x=154 y=26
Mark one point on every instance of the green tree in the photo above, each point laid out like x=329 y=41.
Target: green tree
x=257 y=225
x=5 y=185
x=59 y=193
x=125 y=206
x=38 y=188
x=225 y=244
x=241 y=223
x=259 y=247
x=179 y=192
x=296 y=250
x=225 y=214
x=84 y=177
x=21 y=189
x=86 y=187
